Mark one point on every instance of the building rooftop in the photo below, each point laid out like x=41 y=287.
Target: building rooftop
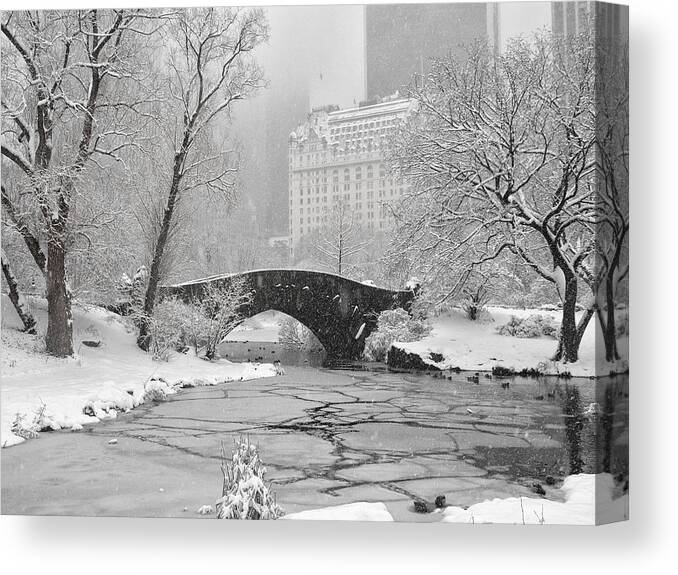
x=363 y=127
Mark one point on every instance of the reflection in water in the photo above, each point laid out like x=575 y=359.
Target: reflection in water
x=591 y=428
x=573 y=415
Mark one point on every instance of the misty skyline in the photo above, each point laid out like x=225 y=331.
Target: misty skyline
x=316 y=55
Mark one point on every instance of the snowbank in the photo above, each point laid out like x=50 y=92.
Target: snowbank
x=583 y=493
x=360 y=511
x=476 y=346
x=100 y=381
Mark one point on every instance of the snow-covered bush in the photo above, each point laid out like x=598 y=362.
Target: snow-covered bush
x=167 y=327
x=394 y=325
x=535 y=325
x=130 y=292
x=202 y=323
x=157 y=390
x=219 y=312
x=25 y=429
x=244 y=493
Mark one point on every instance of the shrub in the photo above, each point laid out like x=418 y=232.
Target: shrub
x=535 y=325
x=21 y=428
x=244 y=493
x=157 y=390
x=202 y=323
x=220 y=307
x=29 y=430
x=167 y=327
x=394 y=325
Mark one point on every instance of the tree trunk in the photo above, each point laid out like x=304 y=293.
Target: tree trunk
x=144 y=338
x=608 y=325
x=568 y=344
x=583 y=324
x=16 y=298
x=610 y=333
x=59 y=339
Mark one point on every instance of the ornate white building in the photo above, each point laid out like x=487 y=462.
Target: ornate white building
x=340 y=156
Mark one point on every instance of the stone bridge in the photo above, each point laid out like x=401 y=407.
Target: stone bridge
x=340 y=312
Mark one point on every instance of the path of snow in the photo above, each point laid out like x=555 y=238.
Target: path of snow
x=359 y=511
x=102 y=380
x=476 y=346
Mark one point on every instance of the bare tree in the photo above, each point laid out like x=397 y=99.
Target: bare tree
x=211 y=67
x=608 y=265
x=221 y=307
x=501 y=158
x=61 y=112
x=340 y=239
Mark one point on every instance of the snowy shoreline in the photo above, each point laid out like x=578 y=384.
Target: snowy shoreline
x=476 y=346
x=587 y=499
x=44 y=392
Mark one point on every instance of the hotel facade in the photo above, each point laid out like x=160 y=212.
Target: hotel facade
x=340 y=156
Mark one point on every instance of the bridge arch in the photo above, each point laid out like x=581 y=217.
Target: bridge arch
x=340 y=312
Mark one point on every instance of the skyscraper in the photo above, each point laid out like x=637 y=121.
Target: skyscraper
x=570 y=18
x=401 y=39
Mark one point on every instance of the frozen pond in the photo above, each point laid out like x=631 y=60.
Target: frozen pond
x=328 y=438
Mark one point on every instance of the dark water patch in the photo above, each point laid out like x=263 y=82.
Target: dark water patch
x=267 y=351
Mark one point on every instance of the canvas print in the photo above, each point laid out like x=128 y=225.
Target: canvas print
x=363 y=262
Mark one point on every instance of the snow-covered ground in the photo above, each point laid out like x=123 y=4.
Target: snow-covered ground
x=476 y=346
x=99 y=381
x=359 y=511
